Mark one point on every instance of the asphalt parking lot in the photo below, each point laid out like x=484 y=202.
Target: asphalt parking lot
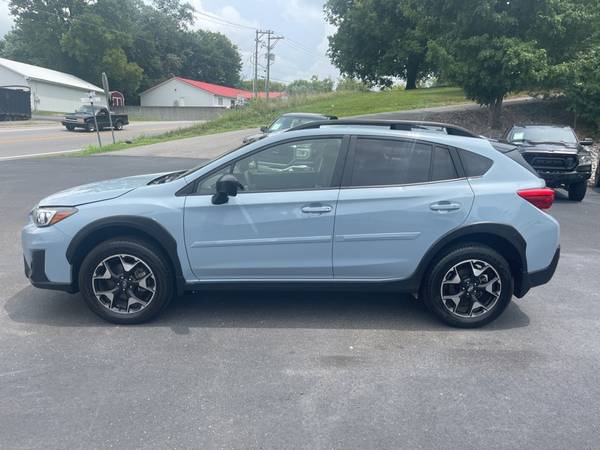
x=288 y=369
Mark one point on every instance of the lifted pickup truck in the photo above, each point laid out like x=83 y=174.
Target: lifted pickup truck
x=84 y=118
x=556 y=154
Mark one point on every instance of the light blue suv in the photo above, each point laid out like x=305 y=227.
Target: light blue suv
x=421 y=208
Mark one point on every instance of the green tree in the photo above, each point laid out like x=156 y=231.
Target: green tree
x=125 y=76
x=493 y=47
x=312 y=86
x=211 y=57
x=276 y=86
x=582 y=85
x=379 y=40
x=350 y=84
x=137 y=43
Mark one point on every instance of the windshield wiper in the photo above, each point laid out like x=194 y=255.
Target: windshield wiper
x=167 y=177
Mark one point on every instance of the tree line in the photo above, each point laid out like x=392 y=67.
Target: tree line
x=137 y=43
x=488 y=47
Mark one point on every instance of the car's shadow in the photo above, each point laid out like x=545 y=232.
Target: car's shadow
x=255 y=309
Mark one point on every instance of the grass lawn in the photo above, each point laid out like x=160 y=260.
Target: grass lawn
x=338 y=104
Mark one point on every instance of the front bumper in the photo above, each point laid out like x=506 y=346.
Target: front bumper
x=45 y=260
x=532 y=279
x=557 y=178
x=36 y=273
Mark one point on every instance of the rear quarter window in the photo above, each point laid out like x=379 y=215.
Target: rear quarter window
x=475 y=165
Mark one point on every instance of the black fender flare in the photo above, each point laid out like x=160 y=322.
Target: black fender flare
x=143 y=225
x=516 y=248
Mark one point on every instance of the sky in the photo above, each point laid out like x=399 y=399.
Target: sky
x=302 y=52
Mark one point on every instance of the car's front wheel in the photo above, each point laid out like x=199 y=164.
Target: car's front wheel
x=469 y=286
x=577 y=191
x=126 y=280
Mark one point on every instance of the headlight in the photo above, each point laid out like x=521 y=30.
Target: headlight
x=585 y=159
x=44 y=217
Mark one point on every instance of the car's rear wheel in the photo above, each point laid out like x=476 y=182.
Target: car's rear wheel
x=118 y=125
x=577 y=191
x=126 y=280
x=469 y=286
x=70 y=127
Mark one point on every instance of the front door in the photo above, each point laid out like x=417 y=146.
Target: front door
x=397 y=198
x=280 y=226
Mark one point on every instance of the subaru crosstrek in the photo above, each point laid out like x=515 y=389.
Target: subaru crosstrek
x=452 y=218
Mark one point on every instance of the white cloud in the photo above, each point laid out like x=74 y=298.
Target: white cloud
x=300 y=11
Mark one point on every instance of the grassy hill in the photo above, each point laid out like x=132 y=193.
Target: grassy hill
x=342 y=104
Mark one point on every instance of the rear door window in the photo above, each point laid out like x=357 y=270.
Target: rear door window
x=383 y=162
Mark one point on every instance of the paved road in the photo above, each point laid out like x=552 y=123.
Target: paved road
x=293 y=370
x=19 y=140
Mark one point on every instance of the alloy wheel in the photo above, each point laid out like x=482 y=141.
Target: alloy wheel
x=124 y=284
x=471 y=288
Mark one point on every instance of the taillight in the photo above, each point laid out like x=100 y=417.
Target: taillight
x=542 y=198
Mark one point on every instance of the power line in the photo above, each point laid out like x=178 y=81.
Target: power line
x=223 y=21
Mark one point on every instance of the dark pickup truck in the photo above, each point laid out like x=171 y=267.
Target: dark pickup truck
x=84 y=118
x=556 y=154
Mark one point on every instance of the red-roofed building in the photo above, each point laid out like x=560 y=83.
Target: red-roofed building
x=182 y=92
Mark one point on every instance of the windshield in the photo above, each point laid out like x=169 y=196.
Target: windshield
x=88 y=109
x=204 y=163
x=286 y=122
x=543 y=134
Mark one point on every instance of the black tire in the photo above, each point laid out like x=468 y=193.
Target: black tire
x=431 y=290
x=90 y=127
x=70 y=127
x=577 y=191
x=118 y=125
x=150 y=256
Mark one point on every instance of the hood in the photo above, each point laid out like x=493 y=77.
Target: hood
x=96 y=192
x=548 y=147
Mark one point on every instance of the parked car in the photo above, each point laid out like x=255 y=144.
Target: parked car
x=84 y=118
x=285 y=122
x=556 y=154
x=448 y=217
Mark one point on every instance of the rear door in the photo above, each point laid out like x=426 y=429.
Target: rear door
x=397 y=198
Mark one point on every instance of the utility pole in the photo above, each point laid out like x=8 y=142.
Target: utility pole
x=271 y=42
x=257 y=44
x=255 y=79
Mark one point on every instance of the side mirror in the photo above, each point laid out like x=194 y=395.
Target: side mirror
x=587 y=141
x=227 y=186
x=264 y=129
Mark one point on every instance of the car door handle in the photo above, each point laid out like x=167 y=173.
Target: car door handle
x=316 y=208
x=445 y=206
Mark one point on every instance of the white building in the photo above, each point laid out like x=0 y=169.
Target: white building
x=182 y=92
x=50 y=90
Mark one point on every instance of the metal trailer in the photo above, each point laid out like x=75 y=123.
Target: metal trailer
x=15 y=103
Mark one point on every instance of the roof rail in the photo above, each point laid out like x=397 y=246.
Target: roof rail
x=400 y=125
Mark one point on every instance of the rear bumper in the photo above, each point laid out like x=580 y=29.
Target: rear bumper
x=532 y=279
